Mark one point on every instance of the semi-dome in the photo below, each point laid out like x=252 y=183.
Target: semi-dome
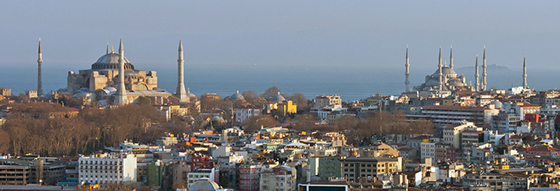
x=111 y=61
x=204 y=184
x=456 y=82
x=278 y=98
x=236 y=96
x=497 y=104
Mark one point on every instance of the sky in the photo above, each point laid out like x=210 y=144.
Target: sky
x=314 y=36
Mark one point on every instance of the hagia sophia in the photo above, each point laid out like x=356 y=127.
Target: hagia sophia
x=104 y=84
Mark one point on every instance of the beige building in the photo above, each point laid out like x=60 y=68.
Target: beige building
x=181 y=168
x=453 y=134
x=102 y=81
x=354 y=168
x=279 y=178
x=6 y=92
x=379 y=150
x=104 y=73
x=327 y=101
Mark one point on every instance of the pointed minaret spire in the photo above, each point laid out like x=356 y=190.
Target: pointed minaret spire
x=524 y=74
x=121 y=98
x=181 y=93
x=440 y=71
x=40 y=73
x=407 y=73
x=483 y=88
x=451 y=57
x=476 y=83
x=439 y=65
x=107 y=48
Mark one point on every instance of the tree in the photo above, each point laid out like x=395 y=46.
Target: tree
x=271 y=92
x=252 y=98
x=256 y=122
x=305 y=122
x=4 y=142
x=421 y=126
x=346 y=122
x=302 y=102
x=179 y=184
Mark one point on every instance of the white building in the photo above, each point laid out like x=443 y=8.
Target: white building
x=323 y=101
x=427 y=150
x=452 y=134
x=108 y=169
x=330 y=113
x=198 y=174
x=244 y=113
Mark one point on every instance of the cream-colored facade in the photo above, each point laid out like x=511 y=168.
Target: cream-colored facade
x=104 y=74
x=327 y=101
x=379 y=150
x=354 y=168
x=101 y=82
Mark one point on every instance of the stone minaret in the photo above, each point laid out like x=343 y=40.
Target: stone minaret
x=440 y=71
x=407 y=73
x=120 y=99
x=181 y=93
x=476 y=82
x=451 y=57
x=483 y=88
x=40 y=73
x=524 y=74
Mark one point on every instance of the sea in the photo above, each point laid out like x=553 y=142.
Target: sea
x=350 y=84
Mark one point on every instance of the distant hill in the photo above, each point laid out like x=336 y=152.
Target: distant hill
x=491 y=67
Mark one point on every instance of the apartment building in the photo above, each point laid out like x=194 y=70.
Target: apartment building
x=354 y=168
x=108 y=168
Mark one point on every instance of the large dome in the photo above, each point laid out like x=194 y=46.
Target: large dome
x=204 y=184
x=446 y=70
x=236 y=96
x=111 y=61
x=278 y=98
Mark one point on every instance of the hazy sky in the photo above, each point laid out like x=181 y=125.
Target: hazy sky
x=269 y=35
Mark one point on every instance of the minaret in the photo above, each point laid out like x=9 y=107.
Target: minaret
x=107 y=47
x=40 y=73
x=483 y=88
x=407 y=73
x=181 y=93
x=440 y=71
x=451 y=57
x=524 y=74
x=476 y=83
x=120 y=99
